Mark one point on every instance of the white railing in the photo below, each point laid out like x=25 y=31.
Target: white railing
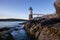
x=37 y=15
x=42 y=15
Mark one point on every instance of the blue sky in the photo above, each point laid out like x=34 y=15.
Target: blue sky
x=19 y=8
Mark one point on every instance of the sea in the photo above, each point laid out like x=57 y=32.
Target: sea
x=17 y=31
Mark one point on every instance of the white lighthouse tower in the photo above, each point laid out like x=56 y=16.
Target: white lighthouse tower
x=30 y=13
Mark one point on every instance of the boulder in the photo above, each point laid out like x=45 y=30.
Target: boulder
x=5 y=35
x=57 y=7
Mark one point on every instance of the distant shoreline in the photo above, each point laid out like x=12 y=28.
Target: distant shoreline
x=13 y=20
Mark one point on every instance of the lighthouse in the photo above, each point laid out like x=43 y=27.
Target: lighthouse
x=30 y=13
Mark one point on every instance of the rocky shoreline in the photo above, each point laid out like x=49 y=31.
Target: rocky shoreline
x=44 y=29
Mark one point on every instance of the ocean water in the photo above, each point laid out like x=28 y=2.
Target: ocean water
x=19 y=34
x=9 y=23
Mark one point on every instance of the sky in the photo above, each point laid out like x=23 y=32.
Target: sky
x=19 y=8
